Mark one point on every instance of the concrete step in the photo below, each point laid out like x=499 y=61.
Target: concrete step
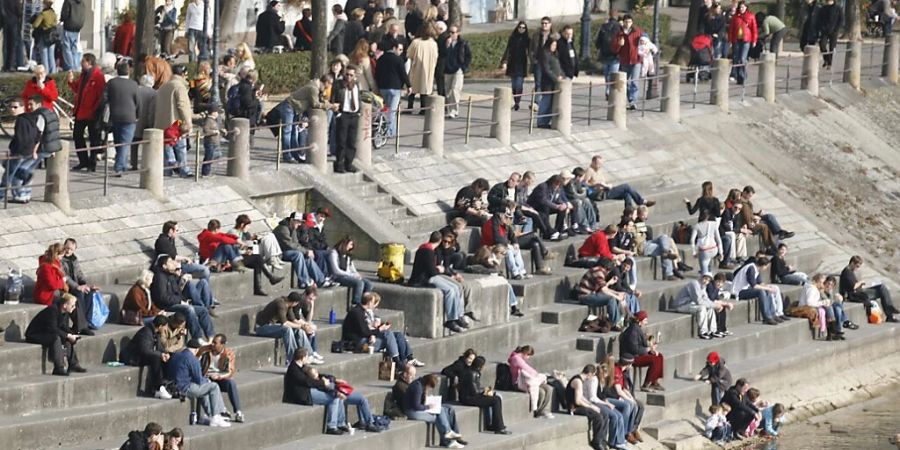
x=392 y=212
x=666 y=429
x=363 y=188
x=377 y=200
x=417 y=224
x=668 y=199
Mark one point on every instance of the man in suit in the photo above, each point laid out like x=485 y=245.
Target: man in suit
x=568 y=59
x=336 y=36
x=269 y=27
x=51 y=328
x=346 y=96
x=294 y=109
x=144 y=350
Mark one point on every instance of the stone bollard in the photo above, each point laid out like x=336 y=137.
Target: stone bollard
x=618 y=100
x=317 y=155
x=239 y=149
x=152 y=162
x=364 y=137
x=809 y=79
x=434 y=125
x=718 y=94
x=501 y=115
x=671 y=91
x=562 y=108
x=765 y=87
x=58 y=174
x=892 y=59
x=853 y=64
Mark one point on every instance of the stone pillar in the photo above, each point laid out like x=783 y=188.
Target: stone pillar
x=671 y=91
x=765 y=87
x=718 y=94
x=318 y=139
x=152 y=162
x=809 y=79
x=434 y=125
x=501 y=115
x=562 y=108
x=853 y=63
x=364 y=137
x=892 y=59
x=58 y=174
x=618 y=100
x=239 y=149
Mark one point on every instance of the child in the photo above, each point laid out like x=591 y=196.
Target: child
x=716 y=375
x=753 y=396
x=213 y=131
x=718 y=429
x=771 y=419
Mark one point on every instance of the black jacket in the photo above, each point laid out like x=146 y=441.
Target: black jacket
x=387 y=43
x=497 y=196
x=50 y=137
x=51 y=320
x=456 y=58
x=302 y=42
x=715 y=25
x=541 y=199
x=72 y=268
x=568 y=58
x=288 y=238
x=355 y=327
x=424 y=267
x=27 y=135
x=469 y=385
x=297 y=385
x=413 y=23
x=455 y=370
x=247 y=101
x=741 y=407
x=312 y=238
x=808 y=15
x=353 y=32
x=165 y=291
x=550 y=70
x=269 y=28
x=72 y=15
x=391 y=73
x=164 y=245
x=711 y=205
x=633 y=342
x=121 y=95
x=606 y=36
x=144 y=345
x=516 y=54
x=830 y=20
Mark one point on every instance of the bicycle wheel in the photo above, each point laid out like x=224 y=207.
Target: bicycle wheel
x=379 y=130
x=7 y=119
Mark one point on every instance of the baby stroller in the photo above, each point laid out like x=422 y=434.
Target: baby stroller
x=874 y=27
x=379 y=118
x=701 y=58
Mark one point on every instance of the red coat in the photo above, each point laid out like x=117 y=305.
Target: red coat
x=745 y=22
x=49 y=92
x=628 y=53
x=210 y=241
x=124 y=41
x=487 y=233
x=87 y=100
x=597 y=244
x=50 y=278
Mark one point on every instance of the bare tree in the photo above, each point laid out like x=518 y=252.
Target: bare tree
x=227 y=17
x=852 y=26
x=780 y=9
x=455 y=13
x=683 y=54
x=144 y=39
x=319 y=63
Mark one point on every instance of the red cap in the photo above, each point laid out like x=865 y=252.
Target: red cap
x=641 y=315
x=712 y=358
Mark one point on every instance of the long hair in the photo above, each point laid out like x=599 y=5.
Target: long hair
x=53 y=252
x=707 y=189
x=360 y=53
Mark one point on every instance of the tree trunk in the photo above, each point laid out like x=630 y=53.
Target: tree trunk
x=683 y=54
x=781 y=9
x=853 y=26
x=455 y=13
x=228 y=13
x=319 y=63
x=144 y=39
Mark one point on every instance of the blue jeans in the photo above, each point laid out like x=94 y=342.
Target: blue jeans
x=306 y=269
x=518 y=86
x=772 y=223
x=761 y=296
x=196 y=38
x=291 y=337
x=229 y=387
x=598 y=299
x=198 y=321
x=334 y=406
x=515 y=265
x=10 y=167
x=453 y=297
x=210 y=153
x=195 y=269
x=359 y=285
x=177 y=154
x=628 y=412
x=290 y=131
x=362 y=408
x=839 y=316
x=741 y=51
x=20 y=174
x=625 y=192
x=225 y=252
x=616 y=426
x=545 y=109
x=888 y=26
x=392 y=101
x=71 y=55
x=634 y=74
x=48 y=57
x=538 y=75
x=610 y=66
x=445 y=421
x=199 y=292
x=395 y=343
x=795 y=279
x=726 y=246
x=720 y=47
x=123 y=133
x=209 y=396
x=657 y=247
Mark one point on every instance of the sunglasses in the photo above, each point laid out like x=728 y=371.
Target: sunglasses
x=521 y=27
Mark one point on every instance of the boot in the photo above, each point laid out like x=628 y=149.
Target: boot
x=257 y=284
x=270 y=276
x=829 y=329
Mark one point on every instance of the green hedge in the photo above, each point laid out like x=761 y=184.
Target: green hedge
x=12 y=85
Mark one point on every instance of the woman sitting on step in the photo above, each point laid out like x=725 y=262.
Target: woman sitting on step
x=343 y=271
x=268 y=245
x=528 y=379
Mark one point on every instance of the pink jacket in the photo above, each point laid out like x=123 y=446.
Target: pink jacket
x=531 y=380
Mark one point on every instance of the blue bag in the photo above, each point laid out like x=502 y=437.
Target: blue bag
x=382 y=422
x=100 y=311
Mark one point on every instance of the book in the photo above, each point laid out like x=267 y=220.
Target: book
x=433 y=402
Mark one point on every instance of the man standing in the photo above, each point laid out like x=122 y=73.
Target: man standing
x=13 y=50
x=336 y=35
x=121 y=95
x=829 y=22
x=269 y=27
x=147 y=106
x=173 y=105
x=605 y=38
x=568 y=59
x=217 y=364
x=414 y=20
x=626 y=47
x=184 y=370
x=537 y=47
x=391 y=78
x=88 y=93
x=72 y=18
x=346 y=95
x=193 y=24
x=303 y=31
x=296 y=107
x=457 y=58
x=50 y=328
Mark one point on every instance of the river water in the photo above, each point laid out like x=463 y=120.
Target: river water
x=870 y=425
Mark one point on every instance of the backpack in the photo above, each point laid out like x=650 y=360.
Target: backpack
x=13 y=290
x=390 y=268
x=605 y=38
x=233 y=101
x=682 y=233
x=136 y=441
x=392 y=408
x=504 y=378
x=593 y=324
x=99 y=312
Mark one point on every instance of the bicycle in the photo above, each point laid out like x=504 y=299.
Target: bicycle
x=380 y=127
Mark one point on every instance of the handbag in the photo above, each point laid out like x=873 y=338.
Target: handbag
x=100 y=310
x=337 y=347
x=131 y=317
x=343 y=388
x=387 y=369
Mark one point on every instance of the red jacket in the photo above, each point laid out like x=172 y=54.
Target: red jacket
x=745 y=22
x=49 y=92
x=210 y=241
x=597 y=244
x=487 y=233
x=88 y=89
x=628 y=53
x=50 y=278
x=124 y=40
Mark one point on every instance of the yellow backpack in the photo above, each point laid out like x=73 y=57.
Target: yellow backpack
x=390 y=268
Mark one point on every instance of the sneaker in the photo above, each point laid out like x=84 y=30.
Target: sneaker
x=163 y=394
x=415 y=363
x=705 y=336
x=547 y=415
x=544 y=271
x=219 y=421
x=202 y=342
x=554 y=236
x=719 y=334
x=452 y=326
x=452 y=435
x=463 y=322
x=514 y=311
x=317 y=361
x=784 y=318
x=455 y=444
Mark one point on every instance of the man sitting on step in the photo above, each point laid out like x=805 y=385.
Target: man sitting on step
x=596 y=249
x=600 y=189
x=184 y=370
x=747 y=284
x=218 y=364
x=165 y=245
x=145 y=350
x=855 y=290
x=51 y=328
x=764 y=224
x=78 y=286
x=598 y=419
x=279 y=320
x=784 y=273
x=427 y=273
x=168 y=293
x=635 y=344
x=692 y=299
x=548 y=198
x=720 y=300
x=301 y=258
x=469 y=203
x=648 y=243
x=593 y=290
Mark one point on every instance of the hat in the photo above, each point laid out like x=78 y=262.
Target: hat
x=641 y=315
x=624 y=360
x=296 y=215
x=325 y=211
x=566 y=175
x=706 y=275
x=712 y=358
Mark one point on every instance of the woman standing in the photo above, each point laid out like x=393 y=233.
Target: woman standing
x=515 y=60
x=365 y=74
x=551 y=73
x=706 y=202
x=714 y=26
x=50 y=276
x=742 y=34
x=43 y=26
x=123 y=42
x=423 y=55
x=40 y=84
x=706 y=243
